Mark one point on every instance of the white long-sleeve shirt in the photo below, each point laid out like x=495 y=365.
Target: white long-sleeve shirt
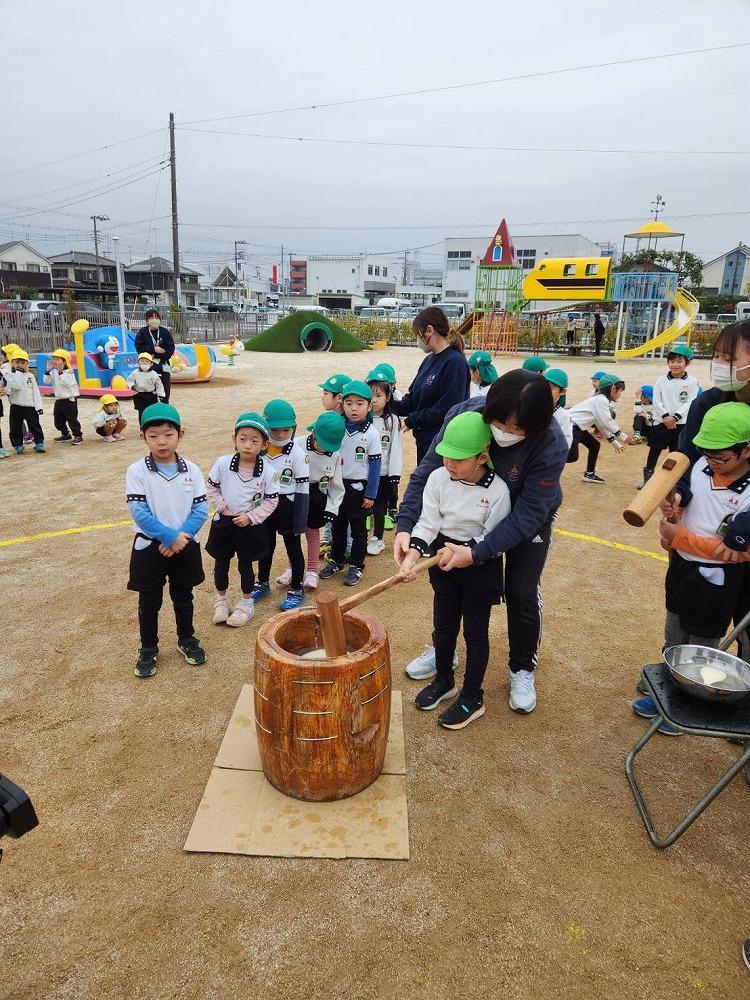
x=232 y=490
x=325 y=470
x=290 y=470
x=102 y=417
x=596 y=411
x=148 y=381
x=562 y=416
x=22 y=389
x=463 y=512
x=391 y=452
x=64 y=383
x=673 y=396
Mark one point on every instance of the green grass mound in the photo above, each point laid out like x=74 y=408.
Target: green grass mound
x=284 y=337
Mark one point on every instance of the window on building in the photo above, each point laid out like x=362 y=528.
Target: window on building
x=569 y=270
x=592 y=269
x=385 y=272
x=354 y=270
x=527 y=263
x=369 y=268
x=59 y=272
x=35 y=268
x=730 y=263
x=8 y=265
x=452 y=254
x=726 y=284
x=458 y=293
x=464 y=253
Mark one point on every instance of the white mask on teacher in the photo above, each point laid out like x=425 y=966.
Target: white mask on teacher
x=504 y=438
x=724 y=377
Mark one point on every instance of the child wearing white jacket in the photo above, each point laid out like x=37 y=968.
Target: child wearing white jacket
x=145 y=383
x=25 y=402
x=597 y=411
x=388 y=426
x=64 y=384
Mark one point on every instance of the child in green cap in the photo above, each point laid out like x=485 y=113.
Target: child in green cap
x=243 y=493
x=673 y=394
x=482 y=373
x=167 y=500
x=388 y=426
x=461 y=503
x=331 y=397
x=598 y=411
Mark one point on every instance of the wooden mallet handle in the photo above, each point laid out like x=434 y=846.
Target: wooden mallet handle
x=364 y=595
x=660 y=485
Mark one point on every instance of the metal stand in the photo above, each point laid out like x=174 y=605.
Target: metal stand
x=658 y=687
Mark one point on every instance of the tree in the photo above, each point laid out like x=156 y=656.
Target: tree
x=70 y=307
x=687 y=265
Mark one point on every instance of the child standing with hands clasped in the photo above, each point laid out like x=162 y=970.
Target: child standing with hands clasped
x=145 y=383
x=292 y=480
x=65 y=387
x=166 y=497
x=461 y=503
x=360 y=456
x=242 y=491
x=673 y=394
x=25 y=402
x=388 y=426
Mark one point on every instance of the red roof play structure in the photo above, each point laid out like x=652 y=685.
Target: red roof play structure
x=500 y=250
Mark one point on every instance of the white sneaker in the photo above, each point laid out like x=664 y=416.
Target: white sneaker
x=375 y=546
x=243 y=612
x=285 y=579
x=311 y=580
x=222 y=608
x=109 y=439
x=522 y=691
x=423 y=667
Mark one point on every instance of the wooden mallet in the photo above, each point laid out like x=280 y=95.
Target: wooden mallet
x=330 y=610
x=659 y=487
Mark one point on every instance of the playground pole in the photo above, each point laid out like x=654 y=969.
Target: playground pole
x=619 y=326
x=120 y=291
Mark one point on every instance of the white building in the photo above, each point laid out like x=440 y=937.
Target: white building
x=463 y=253
x=341 y=282
x=21 y=266
x=728 y=274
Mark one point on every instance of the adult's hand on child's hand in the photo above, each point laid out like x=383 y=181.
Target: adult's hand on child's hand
x=367 y=503
x=242 y=520
x=401 y=546
x=725 y=554
x=455 y=557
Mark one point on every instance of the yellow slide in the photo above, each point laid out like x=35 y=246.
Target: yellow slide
x=686 y=306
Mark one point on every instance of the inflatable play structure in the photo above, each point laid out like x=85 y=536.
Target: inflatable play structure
x=104 y=357
x=653 y=308
x=305 y=331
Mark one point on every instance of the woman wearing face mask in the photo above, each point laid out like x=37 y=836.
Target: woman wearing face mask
x=157 y=340
x=528 y=451
x=441 y=382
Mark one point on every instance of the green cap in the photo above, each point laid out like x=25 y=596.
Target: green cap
x=252 y=420
x=479 y=358
x=466 y=435
x=383 y=373
x=557 y=377
x=335 y=383
x=329 y=430
x=356 y=388
x=160 y=413
x=278 y=413
x=724 y=426
x=482 y=361
x=682 y=349
x=608 y=380
x=535 y=364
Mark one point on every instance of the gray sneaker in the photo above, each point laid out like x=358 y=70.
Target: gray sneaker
x=423 y=666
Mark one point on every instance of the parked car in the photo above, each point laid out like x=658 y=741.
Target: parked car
x=223 y=307
x=373 y=312
x=723 y=319
x=14 y=305
x=196 y=309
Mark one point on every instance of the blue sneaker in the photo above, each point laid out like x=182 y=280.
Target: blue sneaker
x=19 y=449
x=260 y=590
x=293 y=599
x=330 y=569
x=646 y=708
x=39 y=446
x=2 y=453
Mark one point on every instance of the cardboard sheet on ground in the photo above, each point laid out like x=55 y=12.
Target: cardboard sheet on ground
x=242 y=813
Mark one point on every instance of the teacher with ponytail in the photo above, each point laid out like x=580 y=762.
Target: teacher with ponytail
x=441 y=382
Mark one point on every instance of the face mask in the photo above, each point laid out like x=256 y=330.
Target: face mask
x=280 y=442
x=724 y=377
x=504 y=438
x=425 y=347
x=145 y=367
x=153 y=325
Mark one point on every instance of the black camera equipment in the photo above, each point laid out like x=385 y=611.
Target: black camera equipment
x=17 y=814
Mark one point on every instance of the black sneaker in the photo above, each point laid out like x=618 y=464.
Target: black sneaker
x=746 y=952
x=431 y=696
x=63 y=437
x=77 y=440
x=463 y=711
x=591 y=477
x=193 y=652
x=353 y=576
x=330 y=569
x=146 y=665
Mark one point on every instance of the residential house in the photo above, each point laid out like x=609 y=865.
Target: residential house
x=226 y=287
x=21 y=266
x=728 y=274
x=154 y=279
x=76 y=270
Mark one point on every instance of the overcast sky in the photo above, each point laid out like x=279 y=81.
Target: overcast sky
x=92 y=74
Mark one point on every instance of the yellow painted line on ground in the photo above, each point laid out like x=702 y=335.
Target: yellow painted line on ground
x=612 y=545
x=20 y=539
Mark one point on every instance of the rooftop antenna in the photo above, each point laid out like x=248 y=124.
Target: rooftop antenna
x=657 y=206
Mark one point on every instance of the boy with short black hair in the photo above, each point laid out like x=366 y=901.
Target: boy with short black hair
x=166 y=497
x=673 y=394
x=331 y=397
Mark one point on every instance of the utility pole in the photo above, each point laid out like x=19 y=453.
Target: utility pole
x=120 y=289
x=95 y=219
x=175 y=233
x=406 y=258
x=281 y=280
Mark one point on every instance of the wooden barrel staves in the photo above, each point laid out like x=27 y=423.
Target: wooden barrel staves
x=322 y=725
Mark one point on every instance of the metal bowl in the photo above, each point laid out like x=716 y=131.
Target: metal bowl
x=709 y=674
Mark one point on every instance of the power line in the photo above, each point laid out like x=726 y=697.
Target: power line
x=89 y=180
x=476 y=83
x=483 y=149
x=86 y=152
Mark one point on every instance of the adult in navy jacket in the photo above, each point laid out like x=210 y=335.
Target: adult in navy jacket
x=528 y=451
x=157 y=340
x=441 y=382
